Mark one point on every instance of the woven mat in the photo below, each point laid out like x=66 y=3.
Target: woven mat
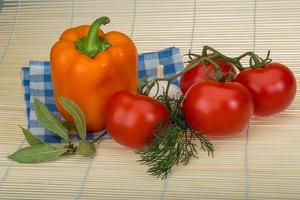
x=263 y=162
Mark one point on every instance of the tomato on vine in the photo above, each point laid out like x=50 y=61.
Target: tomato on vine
x=273 y=87
x=131 y=119
x=218 y=109
x=205 y=71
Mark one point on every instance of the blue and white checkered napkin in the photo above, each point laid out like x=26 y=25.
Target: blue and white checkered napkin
x=37 y=83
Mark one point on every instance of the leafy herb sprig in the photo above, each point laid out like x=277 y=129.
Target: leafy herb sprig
x=40 y=151
x=174 y=143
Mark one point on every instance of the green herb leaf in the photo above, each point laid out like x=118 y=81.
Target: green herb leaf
x=70 y=126
x=48 y=120
x=86 y=148
x=174 y=144
x=80 y=122
x=37 y=153
x=30 y=138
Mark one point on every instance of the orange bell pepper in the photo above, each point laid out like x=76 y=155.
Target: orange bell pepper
x=89 y=66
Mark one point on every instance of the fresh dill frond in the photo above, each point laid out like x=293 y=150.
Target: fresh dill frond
x=174 y=143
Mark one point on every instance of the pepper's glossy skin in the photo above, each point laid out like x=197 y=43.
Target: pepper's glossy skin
x=90 y=82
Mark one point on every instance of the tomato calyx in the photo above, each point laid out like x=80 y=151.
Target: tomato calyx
x=258 y=62
x=255 y=61
x=204 y=60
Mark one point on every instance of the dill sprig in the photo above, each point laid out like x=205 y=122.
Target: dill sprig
x=174 y=143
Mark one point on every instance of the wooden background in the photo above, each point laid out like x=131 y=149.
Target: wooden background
x=263 y=162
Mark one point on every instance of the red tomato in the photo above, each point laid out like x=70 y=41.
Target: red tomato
x=273 y=88
x=199 y=73
x=218 y=109
x=131 y=119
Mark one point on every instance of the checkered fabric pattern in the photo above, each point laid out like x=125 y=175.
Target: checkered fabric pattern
x=37 y=83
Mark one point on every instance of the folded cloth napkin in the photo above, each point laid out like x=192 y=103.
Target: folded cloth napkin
x=37 y=83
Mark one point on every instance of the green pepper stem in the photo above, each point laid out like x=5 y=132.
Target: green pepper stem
x=91 y=42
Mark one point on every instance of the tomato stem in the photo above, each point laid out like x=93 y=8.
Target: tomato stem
x=219 y=75
x=236 y=61
x=169 y=79
x=209 y=54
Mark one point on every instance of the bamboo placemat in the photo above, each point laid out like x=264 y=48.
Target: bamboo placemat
x=263 y=162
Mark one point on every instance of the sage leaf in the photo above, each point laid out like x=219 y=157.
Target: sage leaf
x=37 y=153
x=77 y=114
x=48 y=119
x=70 y=126
x=30 y=138
x=86 y=149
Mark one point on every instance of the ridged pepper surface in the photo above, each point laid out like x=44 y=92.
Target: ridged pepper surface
x=89 y=66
